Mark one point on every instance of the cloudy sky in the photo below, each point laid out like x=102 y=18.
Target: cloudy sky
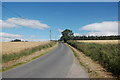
x=32 y=21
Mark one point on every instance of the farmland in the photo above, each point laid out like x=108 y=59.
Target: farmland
x=100 y=41
x=14 y=47
x=25 y=51
x=15 y=53
x=106 y=54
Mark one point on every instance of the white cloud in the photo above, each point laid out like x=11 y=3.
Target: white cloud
x=60 y=30
x=5 y=24
x=105 y=28
x=101 y=33
x=36 y=39
x=77 y=34
x=9 y=37
x=5 y=39
x=60 y=36
x=17 y=22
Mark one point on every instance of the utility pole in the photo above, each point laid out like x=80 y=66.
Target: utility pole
x=50 y=35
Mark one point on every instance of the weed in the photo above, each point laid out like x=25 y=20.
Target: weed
x=106 y=54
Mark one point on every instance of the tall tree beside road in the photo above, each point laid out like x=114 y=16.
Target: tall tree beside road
x=67 y=35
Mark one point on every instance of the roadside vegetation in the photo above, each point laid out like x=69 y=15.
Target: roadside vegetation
x=26 y=52
x=106 y=54
x=104 y=50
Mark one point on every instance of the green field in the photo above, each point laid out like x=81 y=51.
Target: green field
x=108 y=55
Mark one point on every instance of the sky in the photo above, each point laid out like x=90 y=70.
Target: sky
x=60 y=0
x=33 y=21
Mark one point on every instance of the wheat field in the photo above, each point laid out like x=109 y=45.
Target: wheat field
x=100 y=41
x=14 y=47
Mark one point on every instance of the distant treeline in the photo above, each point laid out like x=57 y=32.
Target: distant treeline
x=18 y=40
x=96 y=38
x=69 y=35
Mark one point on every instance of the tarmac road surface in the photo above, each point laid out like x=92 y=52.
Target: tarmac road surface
x=59 y=63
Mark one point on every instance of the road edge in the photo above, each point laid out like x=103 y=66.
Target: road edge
x=76 y=70
x=45 y=51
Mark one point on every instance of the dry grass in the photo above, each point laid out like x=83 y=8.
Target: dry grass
x=27 y=58
x=94 y=69
x=100 y=41
x=14 y=47
x=105 y=54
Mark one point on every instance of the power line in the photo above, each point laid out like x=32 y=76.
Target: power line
x=11 y=11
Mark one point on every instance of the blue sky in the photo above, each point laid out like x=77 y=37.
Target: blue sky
x=76 y=16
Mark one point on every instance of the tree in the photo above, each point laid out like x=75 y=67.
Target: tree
x=16 y=40
x=67 y=35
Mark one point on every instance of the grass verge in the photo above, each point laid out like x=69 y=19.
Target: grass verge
x=14 y=56
x=19 y=62
x=76 y=54
x=106 y=54
x=94 y=69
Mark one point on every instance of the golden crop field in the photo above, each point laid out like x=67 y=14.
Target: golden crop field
x=13 y=47
x=100 y=41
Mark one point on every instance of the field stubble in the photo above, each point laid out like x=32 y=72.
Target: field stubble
x=14 y=47
x=100 y=41
x=26 y=54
